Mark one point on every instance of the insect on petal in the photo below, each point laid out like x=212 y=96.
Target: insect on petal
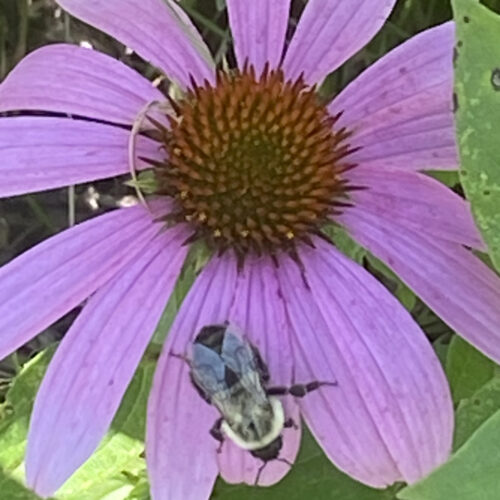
x=259 y=311
x=180 y=451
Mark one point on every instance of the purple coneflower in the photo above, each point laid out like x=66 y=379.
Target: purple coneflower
x=252 y=163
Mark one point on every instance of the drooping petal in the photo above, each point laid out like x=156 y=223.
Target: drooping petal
x=158 y=30
x=259 y=30
x=462 y=290
x=259 y=311
x=38 y=153
x=401 y=108
x=331 y=31
x=95 y=362
x=390 y=417
x=69 y=79
x=416 y=201
x=180 y=452
x=46 y=282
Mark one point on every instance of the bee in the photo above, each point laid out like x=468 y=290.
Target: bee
x=229 y=373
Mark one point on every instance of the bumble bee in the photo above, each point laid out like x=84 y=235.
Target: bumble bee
x=229 y=373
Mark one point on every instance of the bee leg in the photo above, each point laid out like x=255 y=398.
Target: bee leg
x=261 y=468
x=300 y=390
x=297 y=390
x=259 y=472
x=277 y=391
x=180 y=356
x=217 y=434
x=290 y=423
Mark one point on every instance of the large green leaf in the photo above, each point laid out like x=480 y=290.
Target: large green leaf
x=116 y=467
x=313 y=476
x=471 y=474
x=16 y=410
x=477 y=62
x=474 y=411
x=12 y=490
x=467 y=369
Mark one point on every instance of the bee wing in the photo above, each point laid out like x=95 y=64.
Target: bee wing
x=209 y=373
x=208 y=370
x=239 y=356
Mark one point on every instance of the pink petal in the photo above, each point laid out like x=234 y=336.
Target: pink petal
x=180 y=452
x=259 y=29
x=462 y=290
x=46 y=282
x=401 y=107
x=158 y=30
x=415 y=201
x=330 y=32
x=78 y=81
x=38 y=153
x=95 y=362
x=390 y=418
x=259 y=311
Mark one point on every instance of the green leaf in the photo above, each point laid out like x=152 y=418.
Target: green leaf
x=467 y=369
x=12 y=490
x=145 y=182
x=471 y=474
x=140 y=491
x=312 y=476
x=448 y=177
x=441 y=346
x=474 y=411
x=477 y=87
x=112 y=472
x=16 y=410
x=344 y=243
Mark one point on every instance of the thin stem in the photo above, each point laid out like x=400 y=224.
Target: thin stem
x=71 y=189
x=71 y=206
x=208 y=23
x=23 y=30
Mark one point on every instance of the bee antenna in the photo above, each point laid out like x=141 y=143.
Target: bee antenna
x=183 y=357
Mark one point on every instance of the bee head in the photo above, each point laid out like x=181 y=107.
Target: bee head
x=269 y=452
